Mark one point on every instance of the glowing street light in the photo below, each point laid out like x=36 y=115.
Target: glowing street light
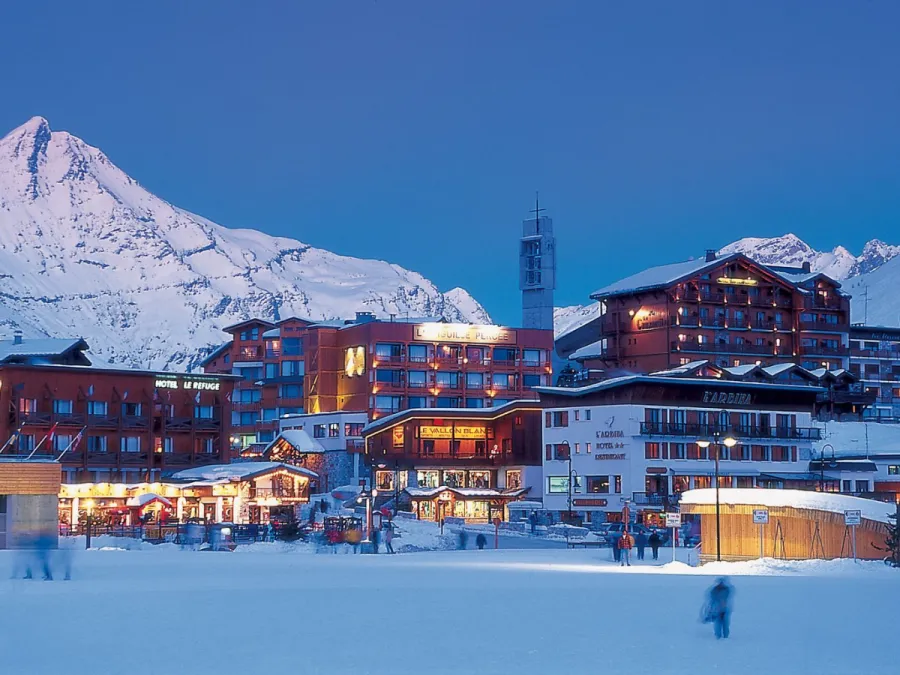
x=729 y=442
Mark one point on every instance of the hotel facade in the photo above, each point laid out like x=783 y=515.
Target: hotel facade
x=633 y=441
x=730 y=310
x=374 y=366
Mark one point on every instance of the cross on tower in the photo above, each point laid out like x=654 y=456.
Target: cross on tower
x=537 y=211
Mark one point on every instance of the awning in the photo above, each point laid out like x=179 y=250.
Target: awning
x=807 y=476
x=722 y=473
x=146 y=499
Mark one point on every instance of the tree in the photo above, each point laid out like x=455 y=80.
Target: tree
x=892 y=541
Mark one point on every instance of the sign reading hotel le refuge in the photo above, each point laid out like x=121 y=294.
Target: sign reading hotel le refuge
x=185 y=383
x=462 y=332
x=461 y=431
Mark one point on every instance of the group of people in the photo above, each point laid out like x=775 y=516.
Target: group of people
x=37 y=553
x=463 y=540
x=623 y=543
x=354 y=536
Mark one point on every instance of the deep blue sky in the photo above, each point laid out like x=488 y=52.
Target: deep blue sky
x=417 y=131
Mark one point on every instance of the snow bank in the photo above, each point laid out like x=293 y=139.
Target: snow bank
x=798 y=499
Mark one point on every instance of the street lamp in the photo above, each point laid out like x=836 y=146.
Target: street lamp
x=729 y=442
x=368 y=496
x=822 y=465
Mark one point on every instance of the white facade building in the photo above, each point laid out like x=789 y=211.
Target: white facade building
x=340 y=436
x=632 y=440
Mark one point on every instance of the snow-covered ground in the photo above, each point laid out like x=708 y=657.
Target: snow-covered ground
x=273 y=609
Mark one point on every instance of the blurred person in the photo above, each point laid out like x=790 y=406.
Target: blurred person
x=655 y=540
x=640 y=541
x=718 y=607
x=389 y=538
x=626 y=543
x=480 y=541
x=463 y=540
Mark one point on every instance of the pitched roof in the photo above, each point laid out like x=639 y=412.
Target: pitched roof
x=248 y=322
x=451 y=413
x=217 y=352
x=39 y=347
x=297 y=439
x=660 y=276
x=239 y=471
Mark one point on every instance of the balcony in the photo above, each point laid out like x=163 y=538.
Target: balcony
x=652 y=499
x=388 y=358
x=708 y=431
x=102 y=422
x=717 y=348
x=249 y=354
x=820 y=302
x=815 y=350
x=858 y=397
x=135 y=422
x=273 y=353
x=134 y=458
x=892 y=354
x=238 y=406
x=69 y=419
x=825 y=326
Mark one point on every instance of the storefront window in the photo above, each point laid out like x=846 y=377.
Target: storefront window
x=426 y=510
x=428 y=479
x=557 y=484
x=476 y=510
x=480 y=479
x=702 y=482
x=513 y=480
x=384 y=480
x=681 y=483
x=455 y=478
x=598 y=484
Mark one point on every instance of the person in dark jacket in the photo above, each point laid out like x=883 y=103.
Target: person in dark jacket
x=640 y=542
x=463 y=540
x=533 y=520
x=480 y=541
x=718 y=607
x=654 y=540
x=614 y=542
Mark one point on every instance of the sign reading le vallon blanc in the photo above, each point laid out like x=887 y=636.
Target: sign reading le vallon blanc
x=185 y=383
x=461 y=332
x=460 y=431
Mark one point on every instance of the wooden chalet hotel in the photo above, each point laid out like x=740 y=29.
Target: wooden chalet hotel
x=730 y=310
x=105 y=423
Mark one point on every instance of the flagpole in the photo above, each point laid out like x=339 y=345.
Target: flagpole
x=46 y=436
x=72 y=442
x=13 y=437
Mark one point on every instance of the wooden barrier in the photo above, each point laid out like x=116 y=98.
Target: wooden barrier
x=791 y=534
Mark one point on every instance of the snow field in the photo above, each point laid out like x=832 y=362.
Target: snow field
x=274 y=609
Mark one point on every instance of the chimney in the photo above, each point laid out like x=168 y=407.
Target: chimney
x=806 y=267
x=710 y=254
x=364 y=317
x=17 y=337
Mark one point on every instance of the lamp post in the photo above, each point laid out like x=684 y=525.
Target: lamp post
x=822 y=465
x=718 y=440
x=569 y=479
x=368 y=495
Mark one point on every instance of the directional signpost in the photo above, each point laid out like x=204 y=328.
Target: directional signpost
x=673 y=520
x=851 y=520
x=761 y=518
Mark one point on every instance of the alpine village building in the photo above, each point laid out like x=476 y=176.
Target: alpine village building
x=729 y=310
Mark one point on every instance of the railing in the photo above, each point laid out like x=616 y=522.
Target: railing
x=35 y=418
x=861 y=397
x=818 y=302
x=69 y=419
x=134 y=458
x=249 y=354
x=263 y=493
x=651 y=499
x=708 y=431
x=102 y=422
x=876 y=353
x=273 y=353
x=815 y=350
x=389 y=358
x=824 y=326
x=721 y=348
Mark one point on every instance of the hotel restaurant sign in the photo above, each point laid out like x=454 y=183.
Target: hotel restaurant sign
x=187 y=383
x=463 y=332
x=461 y=431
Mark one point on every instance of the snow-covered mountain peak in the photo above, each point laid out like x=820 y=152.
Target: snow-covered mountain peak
x=86 y=251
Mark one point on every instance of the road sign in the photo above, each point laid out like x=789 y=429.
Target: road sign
x=760 y=516
x=852 y=517
x=673 y=520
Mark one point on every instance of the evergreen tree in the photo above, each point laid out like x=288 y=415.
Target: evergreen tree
x=892 y=541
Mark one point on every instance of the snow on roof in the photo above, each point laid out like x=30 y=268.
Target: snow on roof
x=274 y=333
x=299 y=440
x=588 y=351
x=525 y=504
x=859 y=439
x=463 y=492
x=798 y=499
x=147 y=498
x=779 y=368
x=662 y=275
x=475 y=413
x=682 y=370
x=696 y=381
x=39 y=347
x=238 y=471
x=741 y=370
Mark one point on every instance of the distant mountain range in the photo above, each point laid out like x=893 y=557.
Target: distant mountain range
x=86 y=251
x=875 y=274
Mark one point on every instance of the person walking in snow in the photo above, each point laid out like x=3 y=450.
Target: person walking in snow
x=463 y=540
x=640 y=542
x=654 y=540
x=626 y=543
x=718 y=607
x=614 y=542
x=533 y=520
x=686 y=533
x=480 y=541
x=388 y=538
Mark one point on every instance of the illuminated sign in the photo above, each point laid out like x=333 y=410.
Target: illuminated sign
x=445 y=432
x=196 y=385
x=435 y=432
x=588 y=502
x=355 y=361
x=397 y=435
x=731 y=281
x=463 y=332
x=727 y=398
x=613 y=456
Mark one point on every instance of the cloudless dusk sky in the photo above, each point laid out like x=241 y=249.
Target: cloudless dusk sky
x=417 y=131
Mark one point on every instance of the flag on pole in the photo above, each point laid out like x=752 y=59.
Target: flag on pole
x=197 y=398
x=51 y=433
x=91 y=390
x=125 y=395
x=228 y=397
